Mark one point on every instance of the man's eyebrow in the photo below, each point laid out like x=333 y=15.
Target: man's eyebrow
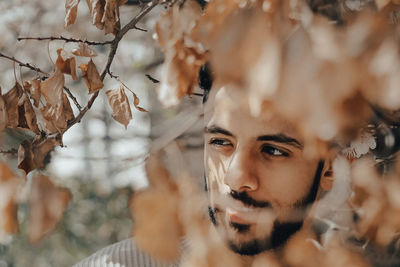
x=281 y=138
x=218 y=130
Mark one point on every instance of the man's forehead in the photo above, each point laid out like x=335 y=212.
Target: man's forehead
x=228 y=107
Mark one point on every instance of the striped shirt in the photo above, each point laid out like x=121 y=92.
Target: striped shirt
x=122 y=254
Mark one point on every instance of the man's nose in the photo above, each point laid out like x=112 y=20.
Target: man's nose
x=240 y=175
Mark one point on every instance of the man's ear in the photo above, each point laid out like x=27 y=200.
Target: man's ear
x=327 y=175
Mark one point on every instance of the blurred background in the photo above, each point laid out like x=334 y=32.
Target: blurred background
x=102 y=163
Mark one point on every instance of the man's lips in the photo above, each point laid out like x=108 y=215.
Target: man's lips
x=243 y=215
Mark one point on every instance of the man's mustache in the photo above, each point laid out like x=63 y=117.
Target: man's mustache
x=248 y=201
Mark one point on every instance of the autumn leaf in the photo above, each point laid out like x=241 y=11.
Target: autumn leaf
x=111 y=17
x=71 y=10
x=32 y=155
x=67 y=66
x=11 y=99
x=120 y=105
x=9 y=185
x=91 y=77
x=52 y=88
x=183 y=54
x=33 y=87
x=47 y=205
x=3 y=113
x=83 y=50
x=155 y=212
x=26 y=115
x=136 y=103
x=96 y=8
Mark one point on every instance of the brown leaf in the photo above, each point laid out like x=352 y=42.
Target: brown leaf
x=96 y=8
x=47 y=205
x=155 y=212
x=9 y=185
x=136 y=103
x=67 y=110
x=91 y=77
x=52 y=88
x=56 y=117
x=11 y=99
x=33 y=87
x=111 y=17
x=83 y=50
x=31 y=155
x=66 y=66
x=71 y=10
x=3 y=113
x=183 y=54
x=120 y=105
x=26 y=115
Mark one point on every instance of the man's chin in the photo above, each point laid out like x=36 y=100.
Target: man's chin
x=243 y=243
x=250 y=248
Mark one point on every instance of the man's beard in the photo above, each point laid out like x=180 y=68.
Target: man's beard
x=281 y=231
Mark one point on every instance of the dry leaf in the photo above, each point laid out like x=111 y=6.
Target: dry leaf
x=184 y=55
x=26 y=115
x=155 y=213
x=47 y=205
x=136 y=101
x=9 y=185
x=33 y=87
x=91 y=77
x=111 y=17
x=83 y=50
x=67 y=110
x=56 y=118
x=52 y=88
x=96 y=8
x=120 y=105
x=11 y=99
x=32 y=155
x=66 y=66
x=71 y=10
x=3 y=113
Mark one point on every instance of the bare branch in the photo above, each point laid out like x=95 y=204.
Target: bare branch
x=113 y=50
x=67 y=40
x=12 y=151
x=29 y=66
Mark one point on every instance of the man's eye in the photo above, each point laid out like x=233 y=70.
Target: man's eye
x=273 y=151
x=220 y=142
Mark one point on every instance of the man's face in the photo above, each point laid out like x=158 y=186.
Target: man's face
x=257 y=174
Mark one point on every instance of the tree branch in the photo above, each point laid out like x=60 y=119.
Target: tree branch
x=111 y=55
x=67 y=40
x=29 y=66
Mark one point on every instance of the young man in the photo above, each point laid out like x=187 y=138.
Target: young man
x=259 y=180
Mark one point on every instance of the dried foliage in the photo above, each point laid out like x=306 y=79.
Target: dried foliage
x=120 y=105
x=48 y=203
x=331 y=79
x=91 y=77
x=9 y=187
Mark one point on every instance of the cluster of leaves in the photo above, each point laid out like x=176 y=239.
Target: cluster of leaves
x=326 y=78
x=41 y=106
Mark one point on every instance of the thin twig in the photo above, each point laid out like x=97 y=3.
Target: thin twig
x=73 y=98
x=113 y=50
x=12 y=151
x=67 y=40
x=29 y=66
